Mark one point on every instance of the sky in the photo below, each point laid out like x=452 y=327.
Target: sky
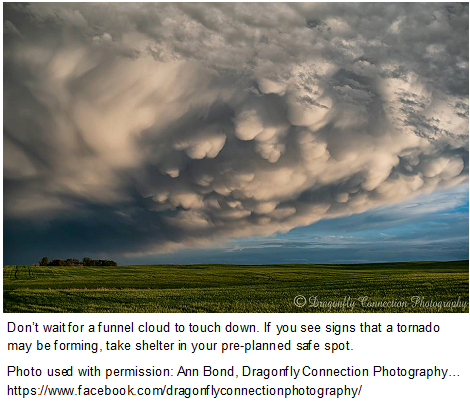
x=235 y=132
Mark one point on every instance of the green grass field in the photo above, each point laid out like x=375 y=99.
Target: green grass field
x=232 y=288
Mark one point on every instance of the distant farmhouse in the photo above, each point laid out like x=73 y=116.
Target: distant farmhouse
x=75 y=262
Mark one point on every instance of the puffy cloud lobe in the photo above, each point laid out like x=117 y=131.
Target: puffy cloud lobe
x=187 y=123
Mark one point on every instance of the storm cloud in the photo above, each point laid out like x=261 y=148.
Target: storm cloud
x=135 y=129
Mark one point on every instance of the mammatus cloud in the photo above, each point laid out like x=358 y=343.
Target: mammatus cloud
x=138 y=128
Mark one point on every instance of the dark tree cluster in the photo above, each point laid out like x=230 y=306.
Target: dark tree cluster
x=75 y=262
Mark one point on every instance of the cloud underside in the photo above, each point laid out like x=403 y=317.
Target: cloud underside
x=139 y=128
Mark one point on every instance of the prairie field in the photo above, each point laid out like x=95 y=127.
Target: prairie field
x=384 y=287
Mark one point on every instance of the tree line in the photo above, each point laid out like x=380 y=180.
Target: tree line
x=75 y=262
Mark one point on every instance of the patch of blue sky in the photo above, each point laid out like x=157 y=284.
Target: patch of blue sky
x=429 y=227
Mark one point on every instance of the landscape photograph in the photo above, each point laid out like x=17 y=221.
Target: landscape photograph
x=235 y=157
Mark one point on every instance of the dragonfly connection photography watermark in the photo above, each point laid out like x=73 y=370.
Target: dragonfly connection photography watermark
x=350 y=303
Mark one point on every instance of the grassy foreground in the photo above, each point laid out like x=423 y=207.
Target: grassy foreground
x=389 y=287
